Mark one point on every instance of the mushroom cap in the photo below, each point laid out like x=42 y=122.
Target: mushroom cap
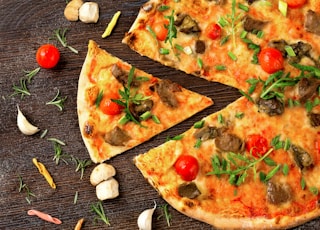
x=101 y=173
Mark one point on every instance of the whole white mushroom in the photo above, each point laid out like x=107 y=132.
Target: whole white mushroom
x=101 y=173
x=89 y=12
x=107 y=189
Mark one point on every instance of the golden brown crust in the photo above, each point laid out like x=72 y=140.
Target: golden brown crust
x=95 y=77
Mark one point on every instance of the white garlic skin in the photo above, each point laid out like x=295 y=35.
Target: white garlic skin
x=145 y=219
x=24 y=125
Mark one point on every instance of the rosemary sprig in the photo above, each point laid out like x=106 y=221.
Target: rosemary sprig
x=58 y=101
x=166 y=214
x=60 y=35
x=98 y=209
x=237 y=165
x=24 y=81
x=81 y=165
x=22 y=89
x=59 y=155
x=127 y=97
x=22 y=187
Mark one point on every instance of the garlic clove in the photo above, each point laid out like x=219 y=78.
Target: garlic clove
x=24 y=125
x=145 y=218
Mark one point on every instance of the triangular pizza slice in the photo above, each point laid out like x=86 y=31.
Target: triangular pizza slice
x=241 y=168
x=120 y=107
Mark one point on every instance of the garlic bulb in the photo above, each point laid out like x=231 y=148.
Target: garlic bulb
x=24 y=125
x=145 y=218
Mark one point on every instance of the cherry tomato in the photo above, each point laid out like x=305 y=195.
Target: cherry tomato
x=270 y=60
x=109 y=107
x=257 y=145
x=48 y=56
x=213 y=31
x=160 y=30
x=296 y=3
x=187 y=167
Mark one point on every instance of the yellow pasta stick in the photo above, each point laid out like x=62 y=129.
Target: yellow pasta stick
x=42 y=169
x=111 y=25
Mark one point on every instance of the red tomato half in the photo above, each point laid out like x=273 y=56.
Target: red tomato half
x=296 y=3
x=187 y=167
x=257 y=144
x=214 y=31
x=47 y=56
x=270 y=60
x=109 y=107
x=160 y=30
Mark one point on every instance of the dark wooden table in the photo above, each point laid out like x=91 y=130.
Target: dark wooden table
x=24 y=26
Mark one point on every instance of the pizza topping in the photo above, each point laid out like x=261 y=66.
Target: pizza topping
x=302 y=158
x=278 y=193
x=110 y=107
x=200 y=46
x=257 y=145
x=314 y=119
x=117 y=137
x=295 y=3
x=270 y=60
x=122 y=76
x=187 y=167
x=137 y=110
x=88 y=128
x=252 y=25
x=147 y=7
x=166 y=90
x=272 y=106
x=187 y=24
x=207 y=132
x=229 y=143
x=307 y=87
x=189 y=190
x=214 y=31
x=312 y=22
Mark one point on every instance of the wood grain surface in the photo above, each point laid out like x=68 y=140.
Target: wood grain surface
x=24 y=26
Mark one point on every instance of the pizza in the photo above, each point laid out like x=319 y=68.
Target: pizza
x=240 y=168
x=228 y=41
x=120 y=106
x=254 y=164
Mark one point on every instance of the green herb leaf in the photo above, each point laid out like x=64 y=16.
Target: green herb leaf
x=99 y=211
x=60 y=35
x=99 y=98
x=81 y=165
x=24 y=187
x=314 y=190
x=198 y=124
x=172 y=30
x=166 y=214
x=58 y=101
x=302 y=183
x=285 y=169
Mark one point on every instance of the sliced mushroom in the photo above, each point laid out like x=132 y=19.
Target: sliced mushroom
x=307 y=87
x=229 y=143
x=138 y=109
x=302 y=158
x=122 y=76
x=278 y=193
x=279 y=45
x=272 y=106
x=251 y=1
x=312 y=22
x=187 y=24
x=147 y=7
x=189 y=190
x=88 y=128
x=207 y=132
x=314 y=119
x=200 y=46
x=218 y=2
x=117 y=137
x=252 y=25
x=166 y=90
x=301 y=50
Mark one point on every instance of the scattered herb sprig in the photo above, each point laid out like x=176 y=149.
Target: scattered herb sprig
x=81 y=165
x=99 y=211
x=166 y=214
x=22 y=89
x=172 y=30
x=57 y=101
x=60 y=35
x=24 y=187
